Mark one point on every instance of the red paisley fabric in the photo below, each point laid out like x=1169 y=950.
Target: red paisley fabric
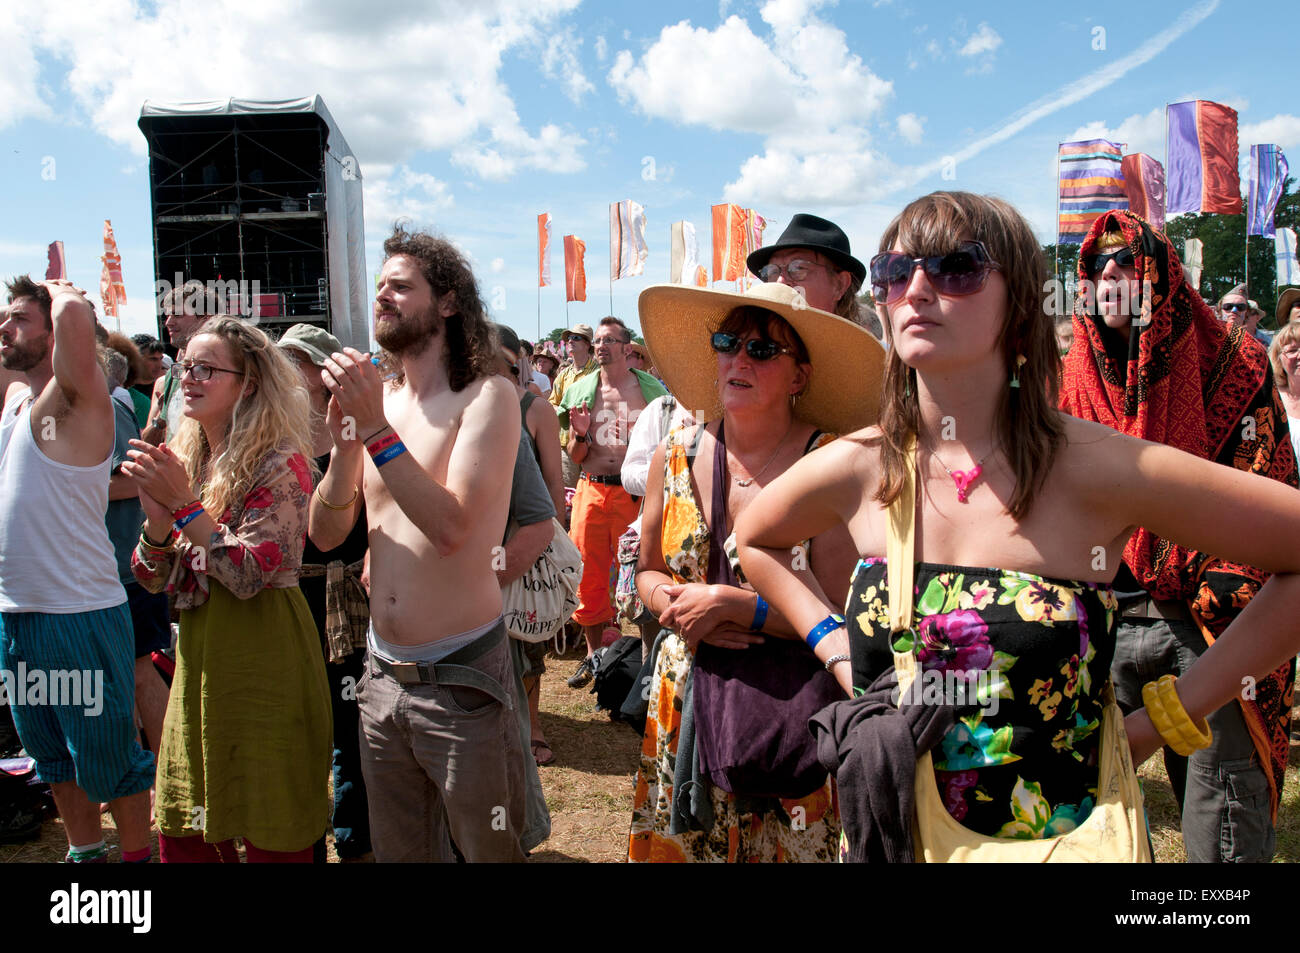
x=1187 y=380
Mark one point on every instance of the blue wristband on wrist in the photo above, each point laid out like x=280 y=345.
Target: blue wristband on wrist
x=760 y=615
x=184 y=521
x=823 y=628
x=394 y=450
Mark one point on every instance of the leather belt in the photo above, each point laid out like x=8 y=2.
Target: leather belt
x=1149 y=608
x=452 y=670
x=609 y=479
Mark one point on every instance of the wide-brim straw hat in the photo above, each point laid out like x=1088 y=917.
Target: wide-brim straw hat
x=1288 y=298
x=848 y=364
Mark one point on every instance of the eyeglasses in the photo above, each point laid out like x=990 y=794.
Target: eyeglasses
x=200 y=372
x=961 y=271
x=1094 y=265
x=759 y=349
x=1235 y=307
x=797 y=271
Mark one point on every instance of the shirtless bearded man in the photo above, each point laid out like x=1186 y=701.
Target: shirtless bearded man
x=432 y=453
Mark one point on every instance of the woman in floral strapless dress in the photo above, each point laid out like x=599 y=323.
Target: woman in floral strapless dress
x=1022 y=515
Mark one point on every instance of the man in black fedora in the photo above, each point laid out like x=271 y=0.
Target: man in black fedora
x=813 y=255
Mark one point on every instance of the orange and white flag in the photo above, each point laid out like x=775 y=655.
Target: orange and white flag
x=111 y=287
x=575 y=273
x=544 y=250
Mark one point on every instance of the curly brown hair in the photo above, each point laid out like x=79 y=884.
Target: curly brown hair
x=471 y=350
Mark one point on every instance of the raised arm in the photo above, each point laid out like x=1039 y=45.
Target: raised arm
x=76 y=368
x=1235 y=515
x=546 y=435
x=337 y=502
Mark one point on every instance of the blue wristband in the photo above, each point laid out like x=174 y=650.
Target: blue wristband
x=383 y=456
x=760 y=614
x=184 y=521
x=823 y=628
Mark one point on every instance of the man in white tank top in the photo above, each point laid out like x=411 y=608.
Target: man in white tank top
x=66 y=644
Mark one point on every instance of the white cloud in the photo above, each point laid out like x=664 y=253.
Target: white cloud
x=419 y=77
x=20 y=95
x=498 y=265
x=911 y=128
x=403 y=193
x=560 y=61
x=1143 y=132
x=601 y=48
x=984 y=40
x=1281 y=130
x=799 y=86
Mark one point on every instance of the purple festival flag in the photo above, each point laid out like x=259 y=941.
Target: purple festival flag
x=1268 y=169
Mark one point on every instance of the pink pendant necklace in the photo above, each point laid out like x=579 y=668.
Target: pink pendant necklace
x=963 y=478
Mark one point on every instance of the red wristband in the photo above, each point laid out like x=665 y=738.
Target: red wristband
x=383 y=443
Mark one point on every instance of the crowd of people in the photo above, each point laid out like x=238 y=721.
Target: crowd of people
x=925 y=577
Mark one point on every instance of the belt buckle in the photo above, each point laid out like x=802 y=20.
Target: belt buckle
x=407 y=673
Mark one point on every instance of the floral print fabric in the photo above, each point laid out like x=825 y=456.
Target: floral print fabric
x=1022 y=759
x=257 y=544
x=744 y=829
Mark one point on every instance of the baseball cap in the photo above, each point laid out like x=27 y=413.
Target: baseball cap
x=309 y=339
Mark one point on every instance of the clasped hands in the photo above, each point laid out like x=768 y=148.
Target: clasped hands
x=160 y=478
x=708 y=613
x=356 y=392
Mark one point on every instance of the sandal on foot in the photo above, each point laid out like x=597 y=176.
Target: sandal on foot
x=538 y=748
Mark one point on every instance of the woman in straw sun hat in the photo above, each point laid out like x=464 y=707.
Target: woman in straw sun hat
x=773 y=379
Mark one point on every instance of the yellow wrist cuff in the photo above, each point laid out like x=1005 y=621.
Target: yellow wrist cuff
x=1166 y=711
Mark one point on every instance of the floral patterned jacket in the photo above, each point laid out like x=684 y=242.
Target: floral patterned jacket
x=257 y=544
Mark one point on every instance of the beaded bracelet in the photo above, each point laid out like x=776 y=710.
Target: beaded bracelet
x=823 y=628
x=760 y=614
x=1170 y=718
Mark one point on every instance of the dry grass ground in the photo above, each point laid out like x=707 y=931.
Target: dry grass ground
x=589 y=788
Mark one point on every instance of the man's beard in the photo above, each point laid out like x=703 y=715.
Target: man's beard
x=23 y=357
x=408 y=335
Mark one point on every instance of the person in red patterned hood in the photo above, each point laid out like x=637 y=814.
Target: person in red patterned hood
x=1151 y=360
x=246 y=741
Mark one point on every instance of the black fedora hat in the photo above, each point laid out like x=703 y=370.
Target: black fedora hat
x=809 y=231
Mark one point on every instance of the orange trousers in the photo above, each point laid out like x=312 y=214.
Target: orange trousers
x=601 y=514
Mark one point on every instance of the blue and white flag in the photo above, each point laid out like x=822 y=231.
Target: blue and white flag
x=1288 y=267
x=1268 y=169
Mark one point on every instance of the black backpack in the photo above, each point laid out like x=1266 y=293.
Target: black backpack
x=617 y=668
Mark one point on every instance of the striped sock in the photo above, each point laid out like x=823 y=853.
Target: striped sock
x=87 y=853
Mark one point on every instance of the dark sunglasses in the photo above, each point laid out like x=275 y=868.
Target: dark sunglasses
x=1094 y=265
x=1236 y=307
x=961 y=271
x=760 y=349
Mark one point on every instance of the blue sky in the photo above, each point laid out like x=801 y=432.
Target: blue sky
x=473 y=118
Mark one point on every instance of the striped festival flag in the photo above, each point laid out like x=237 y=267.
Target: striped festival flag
x=575 y=273
x=1202 y=158
x=1144 y=183
x=1268 y=169
x=1194 y=261
x=684 y=266
x=736 y=232
x=57 y=268
x=544 y=250
x=627 y=248
x=1288 y=267
x=111 y=287
x=1091 y=182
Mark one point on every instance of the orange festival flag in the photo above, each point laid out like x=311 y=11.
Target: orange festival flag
x=544 y=250
x=575 y=274
x=730 y=230
x=111 y=287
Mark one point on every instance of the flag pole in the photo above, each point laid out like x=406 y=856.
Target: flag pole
x=1056 y=267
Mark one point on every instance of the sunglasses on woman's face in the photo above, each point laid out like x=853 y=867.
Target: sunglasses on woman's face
x=961 y=271
x=759 y=349
x=1094 y=265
